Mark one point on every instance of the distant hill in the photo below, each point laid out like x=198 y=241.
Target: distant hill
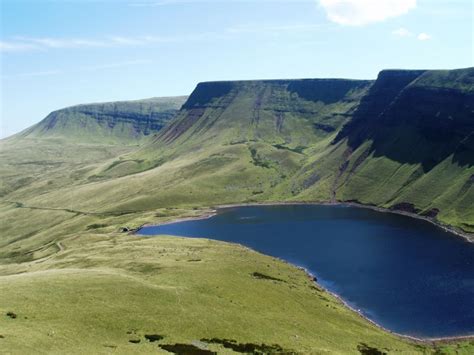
x=402 y=142
x=123 y=121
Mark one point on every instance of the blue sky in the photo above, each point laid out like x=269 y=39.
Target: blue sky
x=59 y=53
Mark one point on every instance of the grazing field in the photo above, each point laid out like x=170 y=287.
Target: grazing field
x=71 y=281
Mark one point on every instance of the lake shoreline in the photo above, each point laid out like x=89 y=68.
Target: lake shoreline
x=214 y=210
x=469 y=237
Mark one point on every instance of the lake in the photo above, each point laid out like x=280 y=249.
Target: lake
x=405 y=274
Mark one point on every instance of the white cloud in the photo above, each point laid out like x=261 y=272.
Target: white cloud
x=402 y=32
x=423 y=36
x=18 y=43
x=32 y=74
x=16 y=46
x=362 y=12
x=116 y=65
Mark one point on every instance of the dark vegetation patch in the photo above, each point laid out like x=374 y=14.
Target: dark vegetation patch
x=177 y=128
x=185 y=349
x=431 y=213
x=12 y=315
x=96 y=226
x=247 y=347
x=311 y=180
x=368 y=350
x=257 y=106
x=299 y=149
x=117 y=162
x=280 y=118
x=469 y=183
x=134 y=341
x=324 y=127
x=257 y=160
x=243 y=141
x=261 y=276
x=405 y=207
x=153 y=337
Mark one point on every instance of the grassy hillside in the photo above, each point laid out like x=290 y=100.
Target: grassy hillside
x=65 y=147
x=418 y=153
x=75 y=282
x=124 y=122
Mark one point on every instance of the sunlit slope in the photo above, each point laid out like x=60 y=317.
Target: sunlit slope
x=66 y=147
x=408 y=146
x=231 y=142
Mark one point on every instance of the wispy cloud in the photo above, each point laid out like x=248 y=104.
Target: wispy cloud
x=88 y=68
x=18 y=43
x=22 y=43
x=262 y=28
x=16 y=46
x=402 y=32
x=116 y=65
x=423 y=37
x=363 y=12
x=33 y=74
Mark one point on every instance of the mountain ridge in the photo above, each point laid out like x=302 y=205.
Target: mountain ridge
x=115 y=122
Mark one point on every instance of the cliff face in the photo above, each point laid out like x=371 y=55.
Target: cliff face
x=289 y=111
x=410 y=146
x=122 y=121
x=417 y=117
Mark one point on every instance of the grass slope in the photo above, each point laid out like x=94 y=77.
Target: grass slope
x=84 y=287
x=124 y=122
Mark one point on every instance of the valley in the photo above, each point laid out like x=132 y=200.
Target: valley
x=75 y=184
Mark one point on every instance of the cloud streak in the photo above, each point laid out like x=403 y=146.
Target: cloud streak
x=88 y=68
x=22 y=44
x=363 y=12
x=404 y=33
x=423 y=37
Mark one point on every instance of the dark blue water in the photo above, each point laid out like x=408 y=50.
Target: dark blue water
x=405 y=274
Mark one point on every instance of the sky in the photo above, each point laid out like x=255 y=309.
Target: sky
x=58 y=53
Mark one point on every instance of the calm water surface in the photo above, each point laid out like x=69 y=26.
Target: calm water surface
x=405 y=274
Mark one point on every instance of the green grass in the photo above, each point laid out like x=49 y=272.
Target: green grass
x=85 y=287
